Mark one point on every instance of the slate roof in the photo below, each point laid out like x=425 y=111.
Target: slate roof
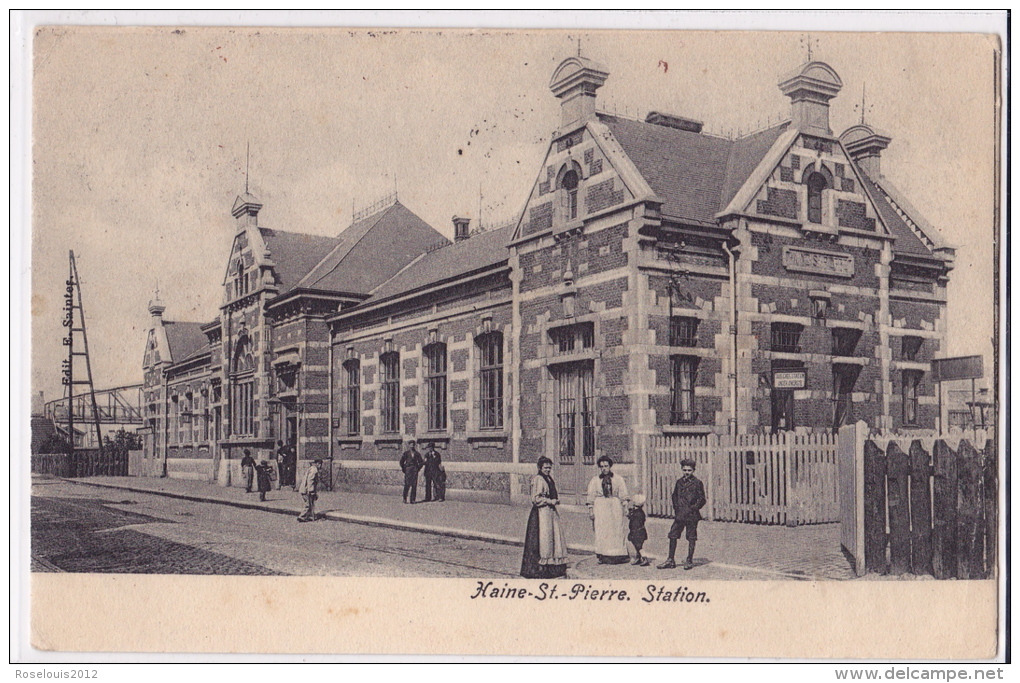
x=479 y=251
x=372 y=250
x=295 y=254
x=696 y=175
x=907 y=242
x=185 y=339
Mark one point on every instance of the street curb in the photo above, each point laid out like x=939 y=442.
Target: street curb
x=381 y=522
x=185 y=496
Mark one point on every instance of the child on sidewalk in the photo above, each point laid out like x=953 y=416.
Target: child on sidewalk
x=638 y=535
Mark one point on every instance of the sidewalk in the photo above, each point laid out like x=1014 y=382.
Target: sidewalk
x=748 y=550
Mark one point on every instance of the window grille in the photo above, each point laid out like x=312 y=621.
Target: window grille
x=685 y=370
x=786 y=337
x=683 y=331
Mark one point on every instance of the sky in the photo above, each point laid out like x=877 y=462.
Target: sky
x=139 y=139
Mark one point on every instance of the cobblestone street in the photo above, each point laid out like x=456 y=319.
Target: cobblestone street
x=184 y=527
x=82 y=529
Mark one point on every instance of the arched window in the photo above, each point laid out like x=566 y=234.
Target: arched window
x=243 y=360
x=816 y=183
x=569 y=185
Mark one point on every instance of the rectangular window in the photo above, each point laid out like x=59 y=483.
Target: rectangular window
x=844 y=377
x=683 y=331
x=571 y=338
x=685 y=370
x=490 y=350
x=435 y=384
x=911 y=347
x=244 y=408
x=352 y=414
x=911 y=380
x=389 y=370
x=844 y=341
x=175 y=408
x=786 y=337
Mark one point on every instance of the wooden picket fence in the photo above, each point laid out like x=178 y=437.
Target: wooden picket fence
x=923 y=503
x=784 y=478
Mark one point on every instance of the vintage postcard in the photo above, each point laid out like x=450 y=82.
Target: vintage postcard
x=515 y=342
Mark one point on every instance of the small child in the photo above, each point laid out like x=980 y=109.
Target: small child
x=637 y=535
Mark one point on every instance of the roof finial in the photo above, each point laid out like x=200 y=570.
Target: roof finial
x=579 y=46
x=247 y=161
x=157 y=289
x=864 y=102
x=810 y=44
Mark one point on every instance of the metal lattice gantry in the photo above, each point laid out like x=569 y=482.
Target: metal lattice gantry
x=76 y=341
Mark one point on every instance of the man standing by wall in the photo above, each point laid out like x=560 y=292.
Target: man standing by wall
x=309 y=490
x=410 y=464
x=433 y=467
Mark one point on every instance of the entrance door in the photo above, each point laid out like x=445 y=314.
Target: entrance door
x=575 y=430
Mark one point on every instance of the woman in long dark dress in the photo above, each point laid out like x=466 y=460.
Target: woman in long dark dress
x=545 y=550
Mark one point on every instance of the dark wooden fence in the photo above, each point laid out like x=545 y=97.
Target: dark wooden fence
x=930 y=506
x=89 y=462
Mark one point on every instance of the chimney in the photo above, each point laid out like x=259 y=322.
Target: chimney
x=810 y=88
x=246 y=211
x=574 y=82
x=460 y=228
x=864 y=144
x=38 y=403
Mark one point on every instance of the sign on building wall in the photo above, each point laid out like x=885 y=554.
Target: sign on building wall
x=961 y=367
x=789 y=379
x=815 y=261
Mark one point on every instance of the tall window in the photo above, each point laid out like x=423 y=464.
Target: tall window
x=490 y=350
x=911 y=380
x=389 y=370
x=352 y=413
x=786 y=337
x=175 y=413
x=244 y=407
x=243 y=389
x=435 y=383
x=683 y=331
x=569 y=185
x=575 y=415
x=685 y=370
x=816 y=182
